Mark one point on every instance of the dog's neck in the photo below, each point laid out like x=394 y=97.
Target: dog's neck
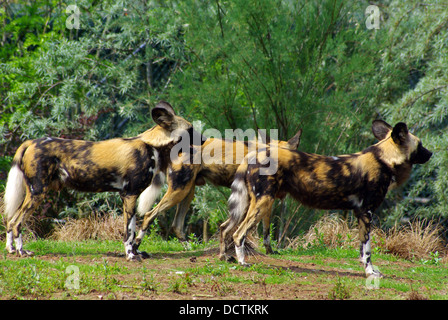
x=400 y=174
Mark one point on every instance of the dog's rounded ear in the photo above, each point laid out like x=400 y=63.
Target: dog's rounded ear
x=163 y=114
x=400 y=133
x=294 y=142
x=380 y=129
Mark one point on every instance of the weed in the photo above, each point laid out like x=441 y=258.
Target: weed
x=379 y=243
x=416 y=240
x=106 y=274
x=108 y=227
x=154 y=231
x=434 y=259
x=30 y=277
x=328 y=232
x=148 y=284
x=262 y=282
x=188 y=280
x=178 y=285
x=340 y=291
x=274 y=242
x=193 y=242
x=221 y=288
x=211 y=268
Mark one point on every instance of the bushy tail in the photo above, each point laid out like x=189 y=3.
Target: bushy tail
x=239 y=198
x=238 y=203
x=150 y=194
x=15 y=187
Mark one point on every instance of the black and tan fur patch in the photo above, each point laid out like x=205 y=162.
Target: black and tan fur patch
x=220 y=171
x=356 y=182
x=126 y=166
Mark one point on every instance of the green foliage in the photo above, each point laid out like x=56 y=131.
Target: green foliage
x=435 y=259
x=416 y=93
x=84 y=84
x=279 y=65
x=210 y=204
x=232 y=64
x=79 y=84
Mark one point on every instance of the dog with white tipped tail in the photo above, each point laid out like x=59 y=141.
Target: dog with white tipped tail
x=124 y=165
x=357 y=182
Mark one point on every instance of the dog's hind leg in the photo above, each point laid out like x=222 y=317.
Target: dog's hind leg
x=224 y=229
x=238 y=204
x=14 y=225
x=171 y=198
x=258 y=209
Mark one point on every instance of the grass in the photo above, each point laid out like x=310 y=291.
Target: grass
x=171 y=273
x=321 y=265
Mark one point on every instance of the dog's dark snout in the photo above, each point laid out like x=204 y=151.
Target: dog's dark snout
x=423 y=155
x=429 y=155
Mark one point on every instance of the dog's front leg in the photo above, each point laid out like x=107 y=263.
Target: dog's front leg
x=364 y=225
x=130 y=246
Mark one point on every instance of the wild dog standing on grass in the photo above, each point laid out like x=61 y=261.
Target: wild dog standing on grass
x=126 y=166
x=183 y=176
x=356 y=182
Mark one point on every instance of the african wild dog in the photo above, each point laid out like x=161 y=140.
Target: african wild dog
x=356 y=182
x=183 y=177
x=124 y=165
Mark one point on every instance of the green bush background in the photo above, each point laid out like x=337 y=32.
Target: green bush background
x=231 y=64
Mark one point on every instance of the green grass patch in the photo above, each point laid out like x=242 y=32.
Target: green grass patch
x=98 y=269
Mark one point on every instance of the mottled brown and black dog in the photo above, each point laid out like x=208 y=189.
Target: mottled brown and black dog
x=219 y=161
x=125 y=165
x=356 y=182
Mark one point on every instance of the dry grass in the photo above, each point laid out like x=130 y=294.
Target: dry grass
x=331 y=231
x=416 y=240
x=107 y=227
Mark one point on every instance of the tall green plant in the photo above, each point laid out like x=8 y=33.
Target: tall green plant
x=283 y=65
x=280 y=65
x=233 y=64
x=416 y=92
x=95 y=82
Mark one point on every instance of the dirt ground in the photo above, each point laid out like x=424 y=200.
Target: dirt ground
x=168 y=277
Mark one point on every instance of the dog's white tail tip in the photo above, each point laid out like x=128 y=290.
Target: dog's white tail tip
x=150 y=194
x=15 y=191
